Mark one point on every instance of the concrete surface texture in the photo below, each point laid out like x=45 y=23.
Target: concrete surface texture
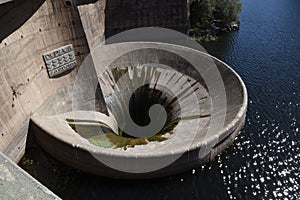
x=103 y=19
x=196 y=140
x=122 y=15
x=30 y=28
x=17 y=184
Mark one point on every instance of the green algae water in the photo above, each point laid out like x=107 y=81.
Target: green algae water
x=263 y=162
x=101 y=135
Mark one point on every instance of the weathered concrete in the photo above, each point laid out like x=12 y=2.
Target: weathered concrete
x=195 y=142
x=121 y=15
x=17 y=184
x=104 y=18
x=93 y=22
x=31 y=28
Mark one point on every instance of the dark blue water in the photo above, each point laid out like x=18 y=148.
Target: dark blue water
x=264 y=161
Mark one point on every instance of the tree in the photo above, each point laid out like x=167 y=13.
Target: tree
x=228 y=10
x=207 y=10
x=202 y=10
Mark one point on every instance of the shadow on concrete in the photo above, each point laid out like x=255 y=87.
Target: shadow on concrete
x=14 y=14
x=82 y=2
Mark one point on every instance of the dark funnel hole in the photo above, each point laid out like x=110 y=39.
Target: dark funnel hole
x=144 y=98
x=140 y=102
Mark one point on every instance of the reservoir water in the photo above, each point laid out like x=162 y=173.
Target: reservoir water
x=263 y=162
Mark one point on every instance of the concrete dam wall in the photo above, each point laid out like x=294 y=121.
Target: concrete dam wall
x=60 y=72
x=24 y=80
x=31 y=28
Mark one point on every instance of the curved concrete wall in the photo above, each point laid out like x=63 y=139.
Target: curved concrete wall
x=51 y=129
x=30 y=28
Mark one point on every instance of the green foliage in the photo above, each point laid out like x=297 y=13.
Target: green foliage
x=203 y=11
x=229 y=10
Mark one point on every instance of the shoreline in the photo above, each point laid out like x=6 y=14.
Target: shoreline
x=210 y=31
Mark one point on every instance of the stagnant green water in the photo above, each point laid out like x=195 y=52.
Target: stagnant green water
x=264 y=160
x=101 y=135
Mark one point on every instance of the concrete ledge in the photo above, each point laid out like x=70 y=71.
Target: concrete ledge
x=15 y=183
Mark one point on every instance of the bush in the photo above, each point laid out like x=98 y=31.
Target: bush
x=230 y=10
x=203 y=11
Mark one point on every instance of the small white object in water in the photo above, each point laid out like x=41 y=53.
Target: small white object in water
x=181 y=180
x=193 y=171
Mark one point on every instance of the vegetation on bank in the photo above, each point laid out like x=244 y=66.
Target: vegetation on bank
x=210 y=18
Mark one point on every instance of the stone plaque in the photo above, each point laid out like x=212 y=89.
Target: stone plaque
x=60 y=60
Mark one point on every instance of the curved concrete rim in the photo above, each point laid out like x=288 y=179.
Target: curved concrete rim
x=235 y=121
x=234 y=126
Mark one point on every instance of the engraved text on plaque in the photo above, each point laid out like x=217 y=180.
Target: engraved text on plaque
x=60 y=60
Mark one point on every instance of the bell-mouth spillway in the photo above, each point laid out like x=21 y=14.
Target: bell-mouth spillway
x=84 y=124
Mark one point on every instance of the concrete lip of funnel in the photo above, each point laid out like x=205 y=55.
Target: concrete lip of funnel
x=195 y=141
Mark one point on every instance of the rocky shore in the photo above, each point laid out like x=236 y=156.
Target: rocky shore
x=210 y=31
